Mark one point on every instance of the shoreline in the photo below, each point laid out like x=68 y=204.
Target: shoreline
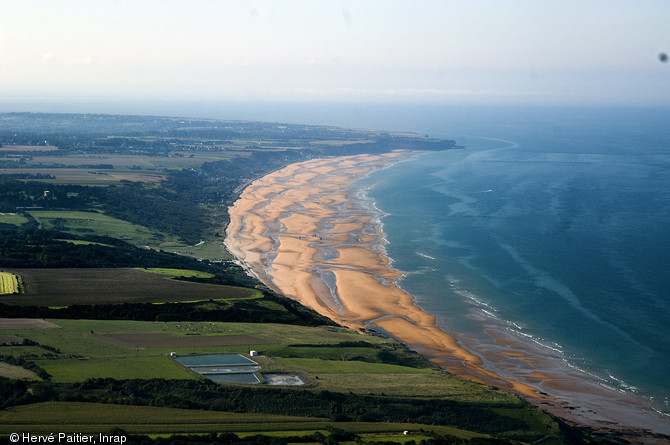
x=299 y=231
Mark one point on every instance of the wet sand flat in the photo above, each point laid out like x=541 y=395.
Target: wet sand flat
x=304 y=232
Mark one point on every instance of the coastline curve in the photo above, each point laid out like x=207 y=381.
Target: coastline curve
x=302 y=232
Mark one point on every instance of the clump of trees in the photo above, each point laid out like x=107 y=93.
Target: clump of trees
x=163 y=208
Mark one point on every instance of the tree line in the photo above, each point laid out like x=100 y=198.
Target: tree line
x=208 y=395
x=334 y=436
x=240 y=311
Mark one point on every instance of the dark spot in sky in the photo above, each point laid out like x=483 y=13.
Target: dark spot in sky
x=663 y=57
x=346 y=15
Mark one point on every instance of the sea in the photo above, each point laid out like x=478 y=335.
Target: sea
x=555 y=224
x=552 y=221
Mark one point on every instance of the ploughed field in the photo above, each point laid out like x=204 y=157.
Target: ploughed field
x=66 y=287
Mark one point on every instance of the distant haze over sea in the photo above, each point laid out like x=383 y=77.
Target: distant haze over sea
x=439 y=120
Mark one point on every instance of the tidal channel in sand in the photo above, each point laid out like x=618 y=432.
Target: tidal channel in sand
x=306 y=232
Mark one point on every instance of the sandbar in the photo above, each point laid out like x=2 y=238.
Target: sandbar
x=306 y=232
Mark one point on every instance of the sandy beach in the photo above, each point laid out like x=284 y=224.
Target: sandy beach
x=303 y=232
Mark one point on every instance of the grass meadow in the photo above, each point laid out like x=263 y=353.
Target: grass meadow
x=96 y=223
x=81 y=337
x=120 y=368
x=320 y=366
x=14 y=219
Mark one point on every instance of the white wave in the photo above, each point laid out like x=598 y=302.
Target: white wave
x=490 y=314
x=516 y=325
x=425 y=256
x=622 y=384
x=473 y=299
x=543 y=343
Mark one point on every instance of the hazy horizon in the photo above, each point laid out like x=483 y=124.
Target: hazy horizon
x=428 y=52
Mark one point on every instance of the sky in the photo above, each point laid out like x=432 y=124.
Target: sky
x=375 y=51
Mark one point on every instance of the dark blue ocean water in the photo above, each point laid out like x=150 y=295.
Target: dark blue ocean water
x=555 y=222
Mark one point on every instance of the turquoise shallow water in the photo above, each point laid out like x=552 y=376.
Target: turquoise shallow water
x=553 y=224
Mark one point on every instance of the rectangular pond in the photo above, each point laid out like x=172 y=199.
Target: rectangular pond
x=232 y=368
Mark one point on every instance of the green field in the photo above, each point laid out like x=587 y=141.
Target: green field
x=80 y=337
x=320 y=366
x=13 y=219
x=8 y=283
x=95 y=223
x=99 y=224
x=125 y=367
